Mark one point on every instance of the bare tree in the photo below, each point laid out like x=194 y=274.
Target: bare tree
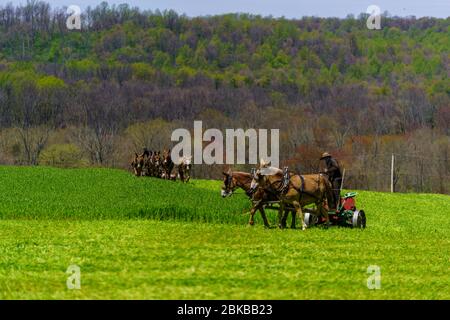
x=32 y=121
x=33 y=140
x=97 y=143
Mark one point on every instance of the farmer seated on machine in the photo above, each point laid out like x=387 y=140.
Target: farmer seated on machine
x=330 y=167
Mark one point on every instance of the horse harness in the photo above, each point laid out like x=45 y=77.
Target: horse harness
x=285 y=185
x=228 y=180
x=285 y=182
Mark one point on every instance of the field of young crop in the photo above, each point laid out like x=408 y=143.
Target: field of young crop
x=138 y=238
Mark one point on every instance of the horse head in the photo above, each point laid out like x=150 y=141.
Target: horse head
x=263 y=163
x=184 y=168
x=185 y=162
x=157 y=158
x=263 y=175
x=255 y=180
x=229 y=184
x=138 y=164
x=166 y=158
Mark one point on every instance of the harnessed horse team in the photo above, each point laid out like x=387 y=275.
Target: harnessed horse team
x=267 y=186
x=155 y=164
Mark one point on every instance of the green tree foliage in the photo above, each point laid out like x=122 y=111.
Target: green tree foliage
x=340 y=81
x=62 y=155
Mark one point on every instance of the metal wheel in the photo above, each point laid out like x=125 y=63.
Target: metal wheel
x=310 y=219
x=359 y=219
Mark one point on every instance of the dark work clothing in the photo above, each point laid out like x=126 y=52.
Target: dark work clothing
x=333 y=171
x=336 y=185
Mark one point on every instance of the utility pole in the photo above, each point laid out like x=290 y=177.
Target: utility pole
x=392 y=173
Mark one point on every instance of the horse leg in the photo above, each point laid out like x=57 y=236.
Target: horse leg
x=293 y=218
x=300 y=214
x=264 y=217
x=252 y=213
x=281 y=217
x=285 y=217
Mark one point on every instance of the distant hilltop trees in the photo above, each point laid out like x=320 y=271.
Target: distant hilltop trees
x=129 y=78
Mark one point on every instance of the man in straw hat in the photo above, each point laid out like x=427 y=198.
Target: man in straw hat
x=331 y=168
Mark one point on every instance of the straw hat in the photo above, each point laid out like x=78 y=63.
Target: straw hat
x=325 y=155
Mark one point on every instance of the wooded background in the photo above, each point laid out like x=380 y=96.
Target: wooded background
x=129 y=77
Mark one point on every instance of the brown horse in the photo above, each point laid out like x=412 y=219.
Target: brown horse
x=138 y=164
x=233 y=180
x=167 y=165
x=184 y=169
x=299 y=191
x=157 y=169
x=147 y=163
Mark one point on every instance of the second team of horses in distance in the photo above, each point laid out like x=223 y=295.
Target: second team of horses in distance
x=154 y=164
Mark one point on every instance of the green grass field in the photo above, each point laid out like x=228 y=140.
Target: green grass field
x=151 y=239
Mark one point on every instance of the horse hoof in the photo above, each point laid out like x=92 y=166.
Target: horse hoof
x=251 y=223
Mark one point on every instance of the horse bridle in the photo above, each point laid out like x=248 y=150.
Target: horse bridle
x=228 y=183
x=139 y=162
x=253 y=186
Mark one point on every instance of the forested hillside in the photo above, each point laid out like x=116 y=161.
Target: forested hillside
x=129 y=77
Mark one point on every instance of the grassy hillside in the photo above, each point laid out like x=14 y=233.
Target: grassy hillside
x=49 y=193
x=53 y=218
